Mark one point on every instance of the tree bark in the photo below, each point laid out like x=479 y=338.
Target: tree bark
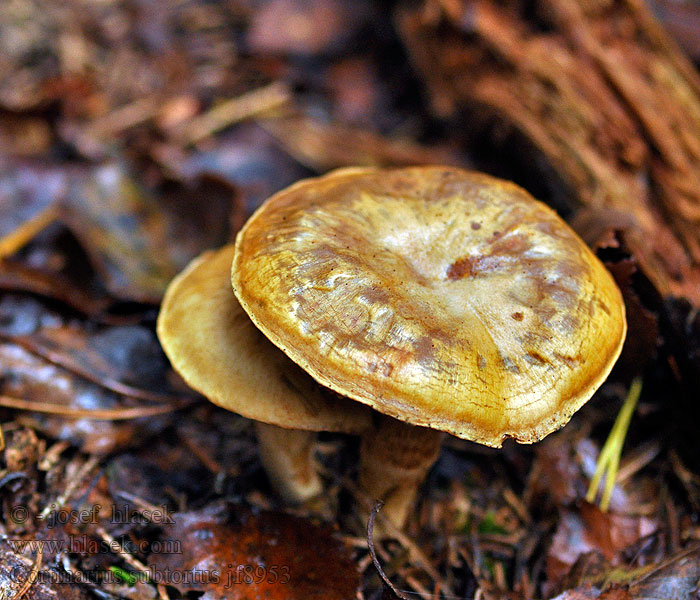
x=600 y=92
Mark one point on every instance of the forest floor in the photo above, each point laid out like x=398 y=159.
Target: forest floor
x=133 y=136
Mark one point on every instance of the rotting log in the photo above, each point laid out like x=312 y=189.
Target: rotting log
x=600 y=92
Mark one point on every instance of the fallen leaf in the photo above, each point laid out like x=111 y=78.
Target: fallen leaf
x=28 y=377
x=589 y=592
x=229 y=552
x=137 y=243
x=15 y=570
x=126 y=359
x=590 y=529
x=247 y=158
x=556 y=476
x=324 y=146
x=676 y=578
x=18 y=277
x=302 y=27
x=52 y=264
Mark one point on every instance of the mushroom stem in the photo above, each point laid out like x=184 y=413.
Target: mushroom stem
x=288 y=458
x=394 y=459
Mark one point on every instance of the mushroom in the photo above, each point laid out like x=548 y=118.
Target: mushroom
x=215 y=347
x=445 y=299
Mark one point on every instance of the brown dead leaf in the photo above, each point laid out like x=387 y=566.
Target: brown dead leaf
x=93 y=58
x=136 y=243
x=589 y=529
x=676 y=578
x=246 y=158
x=302 y=27
x=17 y=277
x=323 y=146
x=26 y=376
x=16 y=569
x=229 y=552
x=126 y=359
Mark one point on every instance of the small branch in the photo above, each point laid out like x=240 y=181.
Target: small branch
x=111 y=414
x=27 y=231
x=89 y=465
x=373 y=552
x=32 y=575
x=250 y=104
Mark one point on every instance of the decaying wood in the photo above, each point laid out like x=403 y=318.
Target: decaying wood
x=603 y=95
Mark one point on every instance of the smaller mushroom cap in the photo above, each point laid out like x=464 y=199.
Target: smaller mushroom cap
x=213 y=344
x=442 y=297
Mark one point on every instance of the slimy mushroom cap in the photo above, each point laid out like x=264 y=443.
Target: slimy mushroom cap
x=215 y=347
x=438 y=296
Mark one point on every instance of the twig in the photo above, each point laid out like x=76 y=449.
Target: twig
x=420 y=589
x=124 y=117
x=32 y=574
x=141 y=504
x=50 y=457
x=517 y=505
x=27 y=231
x=89 y=465
x=113 y=544
x=105 y=381
x=234 y=110
x=415 y=554
x=108 y=414
x=373 y=552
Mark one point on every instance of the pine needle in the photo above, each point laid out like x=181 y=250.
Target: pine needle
x=609 y=459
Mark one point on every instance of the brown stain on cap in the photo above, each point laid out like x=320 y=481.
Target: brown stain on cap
x=462 y=267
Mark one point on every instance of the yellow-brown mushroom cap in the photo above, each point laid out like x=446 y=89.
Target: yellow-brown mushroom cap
x=213 y=344
x=438 y=296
